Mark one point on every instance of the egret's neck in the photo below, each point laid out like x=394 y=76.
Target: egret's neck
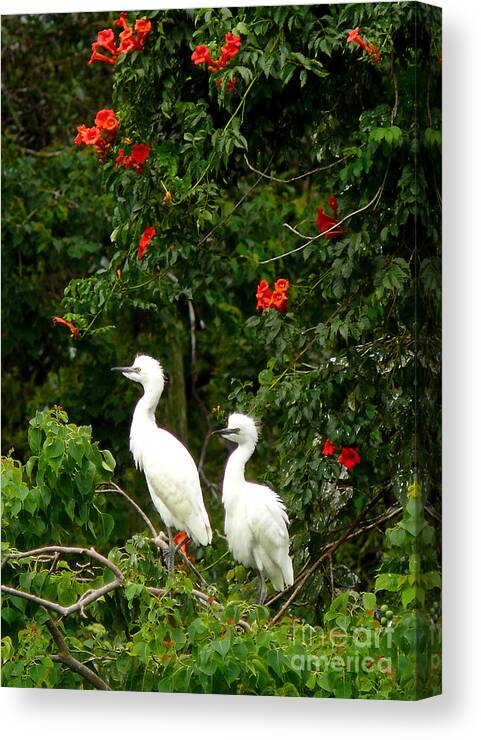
x=145 y=410
x=234 y=472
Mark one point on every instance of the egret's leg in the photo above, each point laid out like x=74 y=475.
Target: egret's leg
x=262 y=589
x=170 y=553
x=188 y=562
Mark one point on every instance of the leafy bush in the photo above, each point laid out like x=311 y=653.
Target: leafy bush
x=145 y=630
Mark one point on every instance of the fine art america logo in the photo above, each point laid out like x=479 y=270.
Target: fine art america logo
x=370 y=645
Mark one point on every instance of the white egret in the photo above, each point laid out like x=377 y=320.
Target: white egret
x=170 y=471
x=255 y=516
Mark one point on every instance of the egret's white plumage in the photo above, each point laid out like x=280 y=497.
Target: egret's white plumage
x=170 y=471
x=255 y=516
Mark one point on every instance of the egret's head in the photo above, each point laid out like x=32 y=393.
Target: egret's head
x=240 y=429
x=144 y=370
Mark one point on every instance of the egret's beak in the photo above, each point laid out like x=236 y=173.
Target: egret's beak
x=123 y=369
x=224 y=432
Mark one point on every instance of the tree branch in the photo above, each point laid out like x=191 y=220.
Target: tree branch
x=159 y=539
x=396 y=92
x=64 y=656
x=189 y=563
x=63 y=550
x=78 y=606
x=86 y=598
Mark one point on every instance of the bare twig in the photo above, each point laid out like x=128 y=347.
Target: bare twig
x=396 y=92
x=432 y=512
x=42 y=154
x=190 y=564
x=227 y=217
x=114 y=488
x=193 y=342
x=64 y=656
x=331 y=574
x=195 y=394
x=158 y=539
x=356 y=533
x=297 y=177
x=55 y=561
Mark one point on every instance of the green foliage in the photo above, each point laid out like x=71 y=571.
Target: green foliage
x=47 y=82
x=52 y=497
x=411 y=549
x=55 y=211
x=355 y=358
x=164 y=639
x=151 y=639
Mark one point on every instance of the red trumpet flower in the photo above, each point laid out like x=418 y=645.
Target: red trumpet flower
x=370 y=48
x=328 y=448
x=349 y=457
x=266 y=298
x=202 y=55
x=145 y=240
x=325 y=222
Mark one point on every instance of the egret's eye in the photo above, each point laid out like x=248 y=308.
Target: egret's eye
x=136 y=369
x=236 y=431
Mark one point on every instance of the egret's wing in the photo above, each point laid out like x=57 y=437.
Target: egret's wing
x=268 y=521
x=173 y=480
x=267 y=517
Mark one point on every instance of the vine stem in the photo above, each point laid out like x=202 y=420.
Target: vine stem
x=297 y=177
x=226 y=127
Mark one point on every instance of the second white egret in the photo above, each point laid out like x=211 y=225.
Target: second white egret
x=255 y=516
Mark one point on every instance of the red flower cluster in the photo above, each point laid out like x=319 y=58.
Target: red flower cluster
x=277 y=298
x=101 y=135
x=128 y=41
x=145 y=240
x=73 y=329
x=138 y=156
x=349 y=457
x=371 y=49
x=325 y=221
x=202 y=55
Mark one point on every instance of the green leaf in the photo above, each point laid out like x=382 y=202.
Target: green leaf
x=222 y=646
x=369 y=601
x=266 y=376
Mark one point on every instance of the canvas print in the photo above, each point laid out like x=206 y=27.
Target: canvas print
x=221 y=246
